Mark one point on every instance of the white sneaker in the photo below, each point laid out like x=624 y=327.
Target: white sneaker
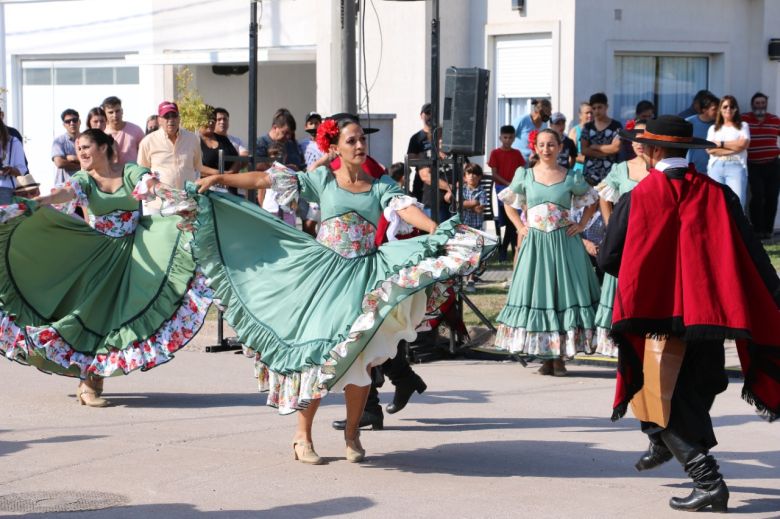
x=507 y=284
x=470 y=288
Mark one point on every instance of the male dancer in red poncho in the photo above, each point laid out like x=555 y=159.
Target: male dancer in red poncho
x=691 y=274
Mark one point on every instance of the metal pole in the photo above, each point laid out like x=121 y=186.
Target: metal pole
x=253 y=83
x=3 y=82
x=435 y=109
x=348 y=58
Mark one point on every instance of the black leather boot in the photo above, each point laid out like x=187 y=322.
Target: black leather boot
x=403 y=392
x=709 y=487
x=372 y=414
x=657 y=454
x=375 y=421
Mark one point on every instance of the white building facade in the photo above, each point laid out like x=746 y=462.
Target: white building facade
x=72 y=54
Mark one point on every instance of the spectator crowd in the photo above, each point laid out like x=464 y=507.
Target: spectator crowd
x=746 y=158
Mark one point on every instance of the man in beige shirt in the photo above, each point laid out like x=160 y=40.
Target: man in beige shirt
x=171 y=151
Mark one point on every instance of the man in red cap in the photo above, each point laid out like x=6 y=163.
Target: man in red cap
x=171 y=151
x=691 y=274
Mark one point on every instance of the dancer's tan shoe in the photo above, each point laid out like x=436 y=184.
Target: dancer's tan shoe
x=304 y=452
x=355 y=451
x=86 y=395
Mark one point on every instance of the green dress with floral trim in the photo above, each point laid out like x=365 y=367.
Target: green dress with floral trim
x=616 y=184
x=105 y=298
x=554 y=293
x=316 y=313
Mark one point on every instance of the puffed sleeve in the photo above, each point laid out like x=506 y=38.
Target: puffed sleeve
x=81 y=186
x=609 y=188
x=136 y=179
x=310 y=185
x=514 y=195
x=583 y=194
x=392 y=199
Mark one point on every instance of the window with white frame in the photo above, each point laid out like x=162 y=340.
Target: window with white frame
x=36 y=75
x=670 y=82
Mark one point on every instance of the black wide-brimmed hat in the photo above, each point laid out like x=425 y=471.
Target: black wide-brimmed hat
x=667 y=131
x=343 y=115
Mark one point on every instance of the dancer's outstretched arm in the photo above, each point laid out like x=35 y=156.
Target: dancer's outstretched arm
x=57 y=196
x=251 y=180
x=416 y=218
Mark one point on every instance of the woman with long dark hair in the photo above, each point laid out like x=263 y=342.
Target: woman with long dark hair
x=318 y=313
x=119 y=294
x=728 y=162
x=552 y=301
x=96 y=118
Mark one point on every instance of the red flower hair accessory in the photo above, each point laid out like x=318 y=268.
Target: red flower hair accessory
x=532 y=140
x=630 y=124
x=325 y=134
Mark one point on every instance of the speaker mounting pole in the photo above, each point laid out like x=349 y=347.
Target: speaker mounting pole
x=253 y=27
x=435 y=103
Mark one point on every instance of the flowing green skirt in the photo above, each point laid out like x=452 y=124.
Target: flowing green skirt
x=551 y=305
x=305 y=312
x=74 y=301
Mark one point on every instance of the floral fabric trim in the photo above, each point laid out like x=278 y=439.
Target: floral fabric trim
x=294 y=391
x=604 y=344
x=607 y=192
x=172 y=335
x=11 y=336
x=81 y=198
x=349 y=235
x=285 y=185
x=396 y=225
x=142 y=192
x=174 y=201
x=115 y=224
x=543 y=344
x=511 y=198
x=586 y=199
x=11 y=211
x=547 y=217
x=440 y=294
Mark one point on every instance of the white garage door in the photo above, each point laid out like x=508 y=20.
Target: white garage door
x=49 y=87
x=523 y=71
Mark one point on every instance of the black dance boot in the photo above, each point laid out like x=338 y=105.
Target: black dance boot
x=657 y=454
x=404 y=389
x=709 y=487
x=375 y=421
x=372 y=414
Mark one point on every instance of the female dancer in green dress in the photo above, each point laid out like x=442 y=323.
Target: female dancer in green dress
x=93 y=301
x=552 y=300
x=317 y=313
x=622 y=178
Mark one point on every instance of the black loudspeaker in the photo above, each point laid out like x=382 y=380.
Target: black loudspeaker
x=774 y=49
x=229 y=70
x=465 y=111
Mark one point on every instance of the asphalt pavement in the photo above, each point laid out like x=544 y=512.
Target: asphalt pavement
x=193 y=438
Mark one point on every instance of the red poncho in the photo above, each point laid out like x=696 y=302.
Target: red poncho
x=692 y=268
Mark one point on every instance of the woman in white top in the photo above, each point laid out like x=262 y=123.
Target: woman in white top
x=11 y=163
x=728 y=162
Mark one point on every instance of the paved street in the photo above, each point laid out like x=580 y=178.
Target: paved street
x=488 y=439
